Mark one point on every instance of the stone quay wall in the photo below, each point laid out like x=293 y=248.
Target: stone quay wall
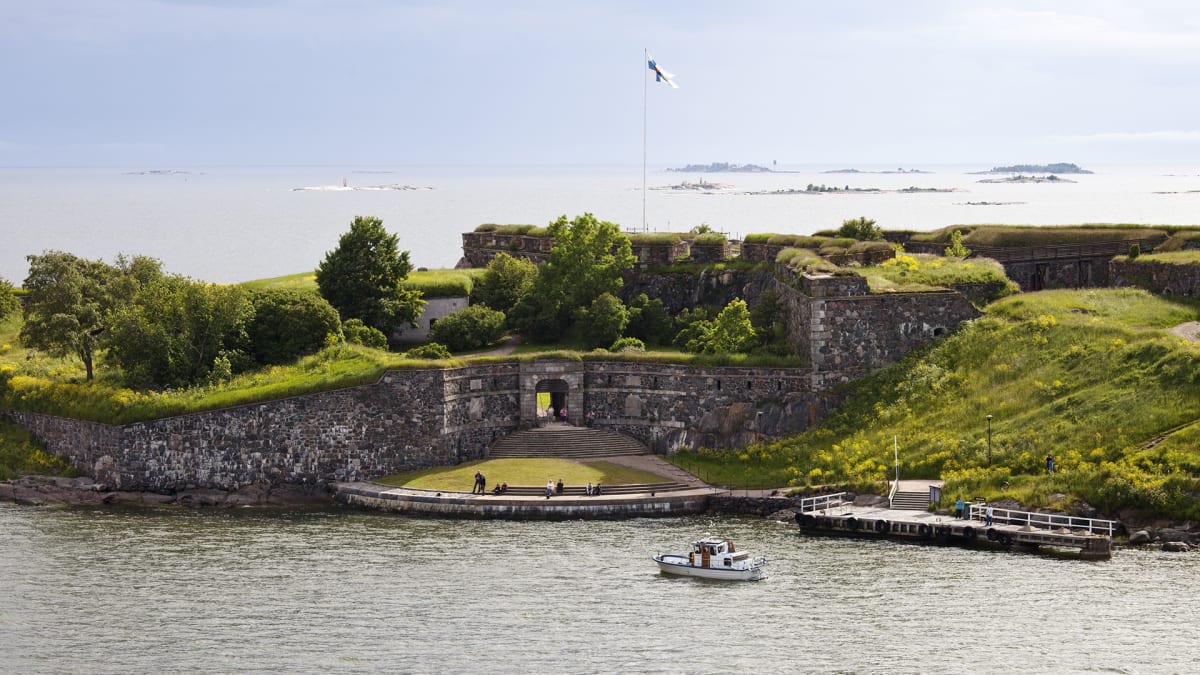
x=1156 y=277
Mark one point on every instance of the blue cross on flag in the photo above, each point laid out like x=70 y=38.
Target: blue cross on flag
x=661 y=75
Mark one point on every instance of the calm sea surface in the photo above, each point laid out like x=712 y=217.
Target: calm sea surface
x=235 y=224
x=341 y=591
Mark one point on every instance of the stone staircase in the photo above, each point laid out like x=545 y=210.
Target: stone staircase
x=566 y=441
x=911 y=501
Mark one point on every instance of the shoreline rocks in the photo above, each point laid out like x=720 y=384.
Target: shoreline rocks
x=62 y=491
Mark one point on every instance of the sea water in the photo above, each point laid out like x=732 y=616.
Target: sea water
x=235 y=224
x=251 y=590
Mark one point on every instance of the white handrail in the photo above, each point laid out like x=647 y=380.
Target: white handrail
x=821 y=502
x=1046 y=521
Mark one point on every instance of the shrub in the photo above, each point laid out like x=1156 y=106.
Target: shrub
x=471 y=328
x=603 y=321
x=863 y=229
x=8 y=298
x=956 y=248
x=288 y=324
x=628 y=344
x=359 y=333
x=430 y=350
x=1134 y=251
x=654 y=238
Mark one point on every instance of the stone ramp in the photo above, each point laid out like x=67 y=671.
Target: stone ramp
x=565 y=441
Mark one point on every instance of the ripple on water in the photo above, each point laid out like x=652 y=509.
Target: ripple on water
x=255 y=590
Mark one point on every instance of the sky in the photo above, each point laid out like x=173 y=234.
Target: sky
x=180 y=83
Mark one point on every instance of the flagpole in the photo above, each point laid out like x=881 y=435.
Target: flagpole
x=645 y=86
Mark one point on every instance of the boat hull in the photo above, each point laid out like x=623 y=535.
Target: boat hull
x=679 y=565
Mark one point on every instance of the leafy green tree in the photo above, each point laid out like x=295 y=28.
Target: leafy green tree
x=288 y=324
x=471 y=328
x=604 y=321
x=956 y=248
x=692 y=326
x=588 y=259
x=732 y=330
x=361 y=334
x=179 y=332
x=363 y=277
x=627 y=344
x=67 y=304
x=649 y=321
x=862 y=229
x=768 y=321
x=505 y=283
x=8 y=298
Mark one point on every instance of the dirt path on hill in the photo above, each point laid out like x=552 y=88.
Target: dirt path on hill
x=1187 y=331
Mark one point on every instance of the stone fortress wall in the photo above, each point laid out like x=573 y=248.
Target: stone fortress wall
x=413 y=419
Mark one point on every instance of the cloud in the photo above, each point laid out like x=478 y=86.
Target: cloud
x=1165 y=136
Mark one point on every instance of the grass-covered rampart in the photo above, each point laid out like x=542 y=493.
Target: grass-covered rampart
x=1090 y=377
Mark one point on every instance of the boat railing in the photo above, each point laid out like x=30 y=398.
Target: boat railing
x=1046 y=521
x=821 y=502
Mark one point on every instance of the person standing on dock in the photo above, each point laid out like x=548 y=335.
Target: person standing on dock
x=990 y=513
x=958 y=507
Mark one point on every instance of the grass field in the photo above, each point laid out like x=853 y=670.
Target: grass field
x=533 y=472
x=432 y=283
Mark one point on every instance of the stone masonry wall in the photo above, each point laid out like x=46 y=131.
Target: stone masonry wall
x=1156 y=277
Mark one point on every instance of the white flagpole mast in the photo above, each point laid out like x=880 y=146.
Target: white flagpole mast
x=645 y=87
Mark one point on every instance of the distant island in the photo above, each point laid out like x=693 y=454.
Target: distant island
x=1061 y=167
x=159 y=172
x=354 y=188
x=1021 y=178
x=723 y=167
x=812 y=189
x=988 y=203
x=900 y=170
x=701 y=187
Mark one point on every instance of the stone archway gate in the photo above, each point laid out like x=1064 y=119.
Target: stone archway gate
x=559 y=371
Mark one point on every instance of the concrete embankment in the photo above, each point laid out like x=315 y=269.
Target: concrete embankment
x=465 y=505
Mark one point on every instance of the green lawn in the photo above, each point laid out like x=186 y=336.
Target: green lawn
x=521 y=472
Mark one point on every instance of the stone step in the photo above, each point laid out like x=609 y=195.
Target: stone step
x=911 y=501
x=565 y=441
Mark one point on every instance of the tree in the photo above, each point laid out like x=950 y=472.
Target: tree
x=767 y=318
x=649 y=321
x=8 y=298
x=505 y=283
x=956 y=248
x=179 y=332
x=862 y=229
x=729 y=332
x=363 y=277
x=471 y=328
x=67 y=303
x=588 y=258
x=288 y=324
x=604 y=321
x=732 y=331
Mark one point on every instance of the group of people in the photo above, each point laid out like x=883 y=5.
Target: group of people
x=480 y=484
x=552 y=488
x=961 y=510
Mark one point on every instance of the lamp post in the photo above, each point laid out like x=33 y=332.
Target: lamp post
x=989 y=419
x=758 y=426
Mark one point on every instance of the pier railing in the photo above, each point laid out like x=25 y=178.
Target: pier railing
x=822 y=502
x=1047 y=521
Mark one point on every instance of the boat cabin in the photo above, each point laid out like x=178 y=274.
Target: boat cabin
x=714 y=552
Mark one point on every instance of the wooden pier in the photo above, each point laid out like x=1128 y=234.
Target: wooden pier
x=831 y=515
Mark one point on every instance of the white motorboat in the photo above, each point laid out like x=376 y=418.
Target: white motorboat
x=713 y=558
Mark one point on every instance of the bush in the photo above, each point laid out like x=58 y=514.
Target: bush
x=505 y=282
x=1134 y=251
x=430 y=350
x=288 y=324
x=654 y=238
x=8 y=298
x=628 y=344
x=603 y=321
x=471 y=328
x=359 y=333
x=863 y=229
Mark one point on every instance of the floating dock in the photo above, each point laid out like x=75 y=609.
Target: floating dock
x=831 y=515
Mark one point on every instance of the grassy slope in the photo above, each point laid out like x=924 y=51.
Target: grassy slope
x=433 y=283
x=1088 y=376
